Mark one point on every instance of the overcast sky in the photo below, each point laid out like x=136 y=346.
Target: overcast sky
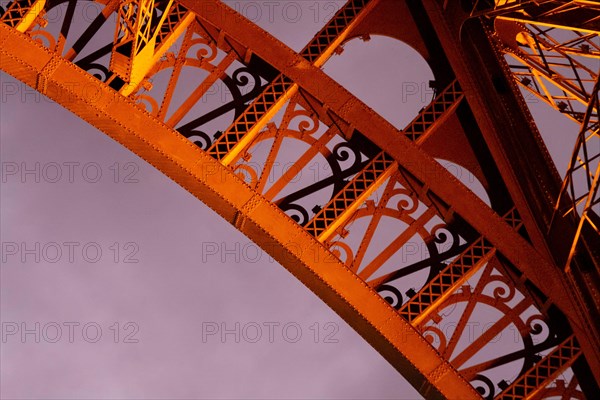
x=123 y=249
x=169 y=296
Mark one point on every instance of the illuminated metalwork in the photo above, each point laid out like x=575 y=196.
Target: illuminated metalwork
x=23 y=14
x=388 y=237
x=584 y=166
x=143 y=36
x=553 y=52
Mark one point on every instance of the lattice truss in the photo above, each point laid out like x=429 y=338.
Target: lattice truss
x=485 y=321
x=552 y=50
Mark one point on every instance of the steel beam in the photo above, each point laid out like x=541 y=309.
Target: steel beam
x=256 y=217
x=535 y=266
x=533 y=190
x=234 y=141
x=140 y=40
x=22 y=14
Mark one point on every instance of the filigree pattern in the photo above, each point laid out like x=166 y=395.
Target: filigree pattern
x=420 y=245
x=513 y=325
x=350 y=196
x=196 y=115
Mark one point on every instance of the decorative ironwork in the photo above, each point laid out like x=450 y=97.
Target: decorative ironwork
x=446 y=101
x=541 y=374
x=584 y=166
x=332 y=33
x=462 y=267
x=452 y=277
x=22 y=14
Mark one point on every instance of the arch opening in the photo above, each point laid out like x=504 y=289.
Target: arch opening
x=387 y=75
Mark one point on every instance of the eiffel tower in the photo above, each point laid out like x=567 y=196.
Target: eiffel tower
x=529 y=258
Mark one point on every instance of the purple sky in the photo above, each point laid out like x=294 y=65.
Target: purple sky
x=172 y=292
x=168 y=294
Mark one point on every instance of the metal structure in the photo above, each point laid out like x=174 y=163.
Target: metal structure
x=504 y=301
